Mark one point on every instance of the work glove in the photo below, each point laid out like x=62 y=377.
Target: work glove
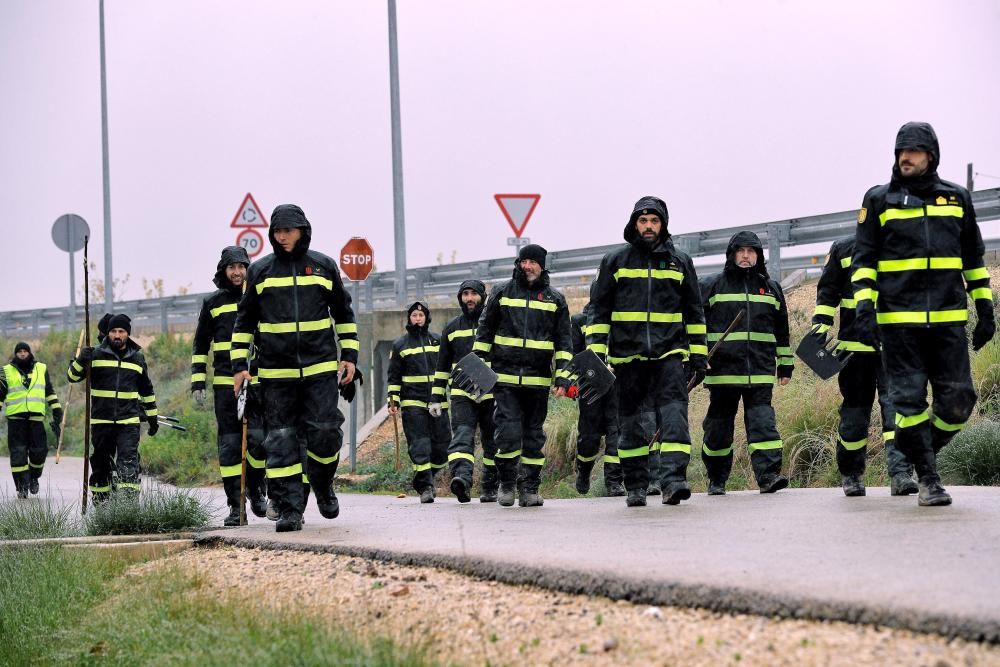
x=866 y=326
x=57 y=415
x=154 y=425
x=434 y=409
x=86 y=355
x=349 y=390
x=198 y=395
x=697 y=367
x=986 y=325
x=573 y=392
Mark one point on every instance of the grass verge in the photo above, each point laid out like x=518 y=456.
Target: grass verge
x=152 y=511
x=25 y=520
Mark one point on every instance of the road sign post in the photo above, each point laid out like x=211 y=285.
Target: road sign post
x=68 y=233
x=517 y=209
x=357 y=259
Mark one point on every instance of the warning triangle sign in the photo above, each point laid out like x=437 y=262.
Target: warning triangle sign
x=249 y=214
x=517 y=209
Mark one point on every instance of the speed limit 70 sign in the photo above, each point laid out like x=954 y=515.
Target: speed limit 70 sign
x=251 y=241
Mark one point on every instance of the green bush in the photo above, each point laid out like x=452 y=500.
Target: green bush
x=973 y=457
x=23 y=520
x=152 y=511
x=986 y=376
x=380 y=470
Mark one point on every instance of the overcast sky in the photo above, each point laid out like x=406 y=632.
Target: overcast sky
x=733 y=111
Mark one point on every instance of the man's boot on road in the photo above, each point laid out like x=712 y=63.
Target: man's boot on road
x=853 y=485
x=530 y=498
x=506 y=495
x=234 y=516
x=902 y=484
x=716 y=487
x=272 y=512
x=614 y=488
x=461 y=489
x=258 y=503
x=653 y=489
x=288 y=522
x=33 y=486
x=636 y=498
x=488 y=484
x=326 y=501
x=931 y=493
x=583 y=470
x=427 y=495
x=773 y=483
x=675 y=493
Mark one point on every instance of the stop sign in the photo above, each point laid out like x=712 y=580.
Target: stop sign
x=357 y=259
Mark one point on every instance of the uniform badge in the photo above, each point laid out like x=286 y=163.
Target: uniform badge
x=941 y=201
x=309 y=270
x=663 y=265
x=761 y=290
x=862 y=215
x=539 y=297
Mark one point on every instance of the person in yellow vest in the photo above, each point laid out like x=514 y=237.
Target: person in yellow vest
x=26 y=392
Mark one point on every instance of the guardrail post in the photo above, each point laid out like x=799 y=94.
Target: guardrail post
x=776 y=235
x=35 y=317
x=164 y=316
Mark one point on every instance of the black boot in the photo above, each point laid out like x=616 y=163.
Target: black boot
x=506 y=496
x=427 y=495
x=461 y=489
x=258 y=503
x=288 y=522
x=614 y=488
x=931 y=493
x=33 y=486
x=636 y=498
x=716 y=487
x=853 y=486
x=488 y=484
x=902 y=484
x=530 y=498
x=675 y=493
x=234 y=517
x=326 y=500
x=653 y=489
x=772 y=483
x=272 y=512
x=583 y=470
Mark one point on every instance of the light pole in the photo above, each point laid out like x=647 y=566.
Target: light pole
x=108 y=275
x=399 y=224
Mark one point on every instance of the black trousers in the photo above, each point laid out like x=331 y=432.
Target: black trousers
x=28 y=449
x=913 y=357
x=519 y=416
x=116 y=450
x=859 y=380
x=230 y=443
x=660 y=387
x=305 y=409
x=762 y=432
x=427 y=440
x=599 y=419
x=466 y=416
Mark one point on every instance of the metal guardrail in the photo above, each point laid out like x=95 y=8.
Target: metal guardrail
x=438 y=284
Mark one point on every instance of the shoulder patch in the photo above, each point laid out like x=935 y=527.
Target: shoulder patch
x=941 y=201
x=862 y=215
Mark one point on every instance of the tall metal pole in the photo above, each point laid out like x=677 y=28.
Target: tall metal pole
x=970 y=180
x=399 y=224
x=354 y=403
x=108 y=275
x=72 y=278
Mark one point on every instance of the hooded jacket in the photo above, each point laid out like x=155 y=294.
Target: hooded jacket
x=918 y=247
x=215 y=324
x=646 y=298
x=457 y=338
x=835 y=291
x=759 y=344
x=289 y=300
x=523 y=330
x=412 y=363
x=120 y=388
x=26 y=388
x=578 y=327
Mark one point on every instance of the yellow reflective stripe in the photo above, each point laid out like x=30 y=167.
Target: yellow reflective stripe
x=105 y=363
x=845 y=262
x=287 y=471
x=292 y=327
x=222 y=379
x=419 y=350
x=199 y=377
x=509 y=455
x=524 y=380
x=36 y=466
x=982 y=293
x=695 y=329
x=482 y=347
x=226 y=308
x=350 y=327
x=853 y=445
x=199 y=358
x=286 y=373
x=563 y=374
x=413 y=404
x=130 y=420
x=455 y=391
x=783 y=351
x=231 y=471
x=632 y=453
x=455 y=456
x=349 y=344
x=110 y=393
x=129 y=485
x=586 y=459
x=757 y=298
x=822 y=328
x=945 y=426
x=98 y=489
x=598 y=348
x=639 y=357
x=945 y=211
x=681 y=447
x=543 y=305
x=736 y=336
x=419 y=467
x=848 y=303
x=222 y=345
x=253 y=462
x=488 y=462
x=739 y=379
x=611 y=459
x=461 y=333
x=864 y=295
x=441 y=375
x=761 y=446
x=239 y=354
x=529 y=343
x=242 y=338
x=980 y=273
x=913 y=420
x=18 y=468
x=888 y=435
x=920 y=263
x=325 y=460
x=532 y=462
x=936 y=317
x=900 y=214
x=659 y=274
x=299 y=280
x=708 y=451
x=829 y=311
x=417 y=378
x=626 y=316
x=395 y=387
x=525 y=303
x=599 y=329
x=864 y=274
x=854 y=346
x=566 y=356
x=698 y=349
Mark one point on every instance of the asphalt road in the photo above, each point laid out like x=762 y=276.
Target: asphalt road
x=809 y=553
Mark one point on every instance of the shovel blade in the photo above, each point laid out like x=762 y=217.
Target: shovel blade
x=472 y=375
x=594 y=378
x=823 y=359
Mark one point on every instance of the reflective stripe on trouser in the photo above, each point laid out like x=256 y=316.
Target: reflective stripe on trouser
x=758 y=420
x=913 y=357
x=28 y=448
x=863 y=374
x=302 y=418
x=116 y=447
x=466 y=415
x=519 y=416
x=230 y=444
x=427 y=440
x=599 y=419
x=662 y=385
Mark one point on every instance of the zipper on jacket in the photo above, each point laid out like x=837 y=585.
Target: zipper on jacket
x=295 y=301
x=118 y=377
x=746 y=296
x=524 y=332
x=927 y=287
x=649 y=305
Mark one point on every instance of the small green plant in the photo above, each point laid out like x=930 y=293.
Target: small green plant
x=22 y=520
x=152 y=511
x=973 y=456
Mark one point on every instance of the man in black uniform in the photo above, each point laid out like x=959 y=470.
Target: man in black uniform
x=121 y=397
x=290 y=298
x=647 y=320
x=214 y=334
x=745 y=365
x=412 y=364
x=917 y=239
x=466 y=412
x=25 y=391
x=596 y=420
x=858 y=381
x=523 y=330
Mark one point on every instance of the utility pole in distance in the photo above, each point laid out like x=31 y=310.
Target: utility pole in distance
x=969 y=177
x=399 y=224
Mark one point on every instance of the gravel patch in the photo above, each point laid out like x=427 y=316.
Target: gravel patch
x=467 y=621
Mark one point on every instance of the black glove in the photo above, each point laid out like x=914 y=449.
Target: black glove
x=697 y=367
x=986 y=325
x=56 y=428
x=154 y=425
x=866 y=326
x=349 y=390
x=86 y=355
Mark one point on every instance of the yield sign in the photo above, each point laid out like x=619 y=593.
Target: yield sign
x=517 y=209
x=248 y=214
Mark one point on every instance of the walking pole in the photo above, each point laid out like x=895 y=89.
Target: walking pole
x=241 y=412
x=69 y=394
x=86 y=386
x=395 y=431
x=711 y=353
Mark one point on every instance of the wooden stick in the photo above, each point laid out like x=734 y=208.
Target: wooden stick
x=711 y=353
x=86 y=390
x=395 y=430
x=69 y=395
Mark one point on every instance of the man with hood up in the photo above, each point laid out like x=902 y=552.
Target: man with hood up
x=863 y=374
x=647 y=320
x=918 y=251
x=412 y=363
x=25 y=390
x=524 y=332
x=745 y=365
x=295 y=302
x=214 y=333
x=121 y=397
x=466 y=412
